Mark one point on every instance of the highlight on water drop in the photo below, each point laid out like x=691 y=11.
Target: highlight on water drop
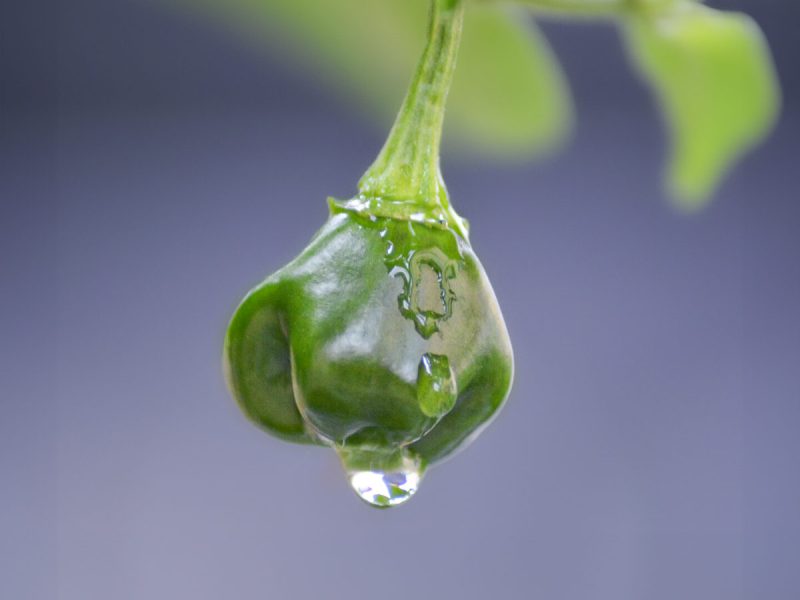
x=436 y=385
x=384 y=489
x=382 y=479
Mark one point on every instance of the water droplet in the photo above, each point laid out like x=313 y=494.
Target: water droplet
x=436 y=385
x=427 y=298
x=383 y=489
x=389 y=479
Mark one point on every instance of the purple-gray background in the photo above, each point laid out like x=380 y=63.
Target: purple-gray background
x=153 y=168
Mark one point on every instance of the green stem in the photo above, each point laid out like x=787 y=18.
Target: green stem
x=407 y=168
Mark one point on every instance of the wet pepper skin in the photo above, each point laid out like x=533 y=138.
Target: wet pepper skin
x=384 y=335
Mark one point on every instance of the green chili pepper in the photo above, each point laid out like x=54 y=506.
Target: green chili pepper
x=383 y=339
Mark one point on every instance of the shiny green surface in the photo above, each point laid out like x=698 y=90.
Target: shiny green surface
x=324 y=351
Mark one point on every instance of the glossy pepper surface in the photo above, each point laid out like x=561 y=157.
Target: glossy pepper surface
x=383 y=338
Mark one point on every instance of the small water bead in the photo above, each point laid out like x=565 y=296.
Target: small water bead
x=436 y=385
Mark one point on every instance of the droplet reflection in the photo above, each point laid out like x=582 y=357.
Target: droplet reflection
x=385 y=489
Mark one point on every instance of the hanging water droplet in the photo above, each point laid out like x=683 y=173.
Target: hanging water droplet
x=387 y=479
x=383 y=489
x=436 y=385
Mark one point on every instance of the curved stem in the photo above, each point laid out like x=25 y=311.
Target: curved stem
x=407 y=168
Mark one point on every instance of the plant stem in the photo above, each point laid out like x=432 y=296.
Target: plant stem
x=407 y=168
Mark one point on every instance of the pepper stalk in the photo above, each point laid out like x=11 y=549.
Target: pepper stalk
x=405 y=181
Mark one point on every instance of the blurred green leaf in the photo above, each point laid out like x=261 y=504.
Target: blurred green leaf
x=580 y=8
x=713 y=75
x=509 y=96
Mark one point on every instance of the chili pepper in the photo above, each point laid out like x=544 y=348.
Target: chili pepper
x=383 y=338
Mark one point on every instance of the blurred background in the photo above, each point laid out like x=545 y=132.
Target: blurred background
x=156 y=162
